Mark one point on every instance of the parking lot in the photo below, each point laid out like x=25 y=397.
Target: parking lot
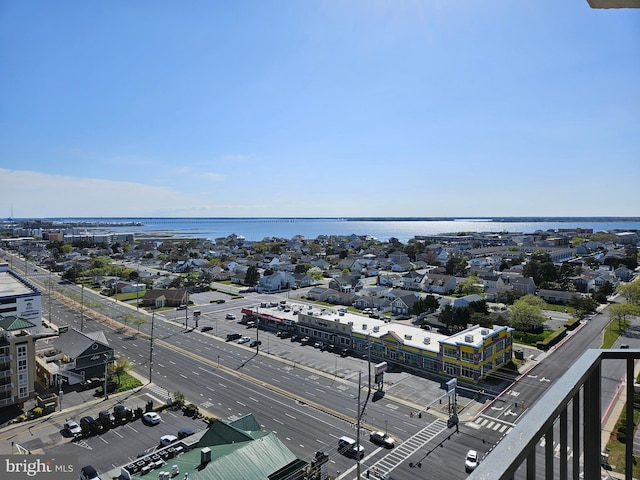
x=112 y=447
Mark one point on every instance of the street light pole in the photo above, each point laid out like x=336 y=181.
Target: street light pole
x=153 y=316
x=106 y=364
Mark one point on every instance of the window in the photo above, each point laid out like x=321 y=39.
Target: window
x=488 y=351
x=23 y=392
x=21 y=351
x=500 y=345
x=23 y=379
x=449 y=352
x=466 y=357
x=467 y=372
x=22 y=365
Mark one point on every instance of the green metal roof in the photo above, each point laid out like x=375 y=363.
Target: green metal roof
x=12 y=323
x=235 y=454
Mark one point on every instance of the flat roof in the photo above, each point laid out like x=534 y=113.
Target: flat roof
x=11 y=286
x=410 y=335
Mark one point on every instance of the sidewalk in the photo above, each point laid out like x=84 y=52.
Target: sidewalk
x=613 y=414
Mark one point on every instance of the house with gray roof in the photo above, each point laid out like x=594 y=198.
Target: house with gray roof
x=81 y=355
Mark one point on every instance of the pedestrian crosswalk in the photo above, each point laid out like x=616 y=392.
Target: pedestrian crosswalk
x=159 y=394
x=399 y=454
x=494 y=424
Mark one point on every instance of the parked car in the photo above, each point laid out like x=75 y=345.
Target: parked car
x=181 y=307
x=383 y=439
x=230 y=316
x=89 y=425
x=295 y=338
x=221 y=300
x=106 y=418
x=318 y=345
x=151 y=418
x=471 y=461
x=88 y=473
x=122 y=413
x=244 y=340
x=167 y=440
x=206 y=329
x=185 y=432
x=255 y=343
x=233 y=336
x=72 y=428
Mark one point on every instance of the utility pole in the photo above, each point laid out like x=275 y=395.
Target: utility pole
x=153 y=316
x=358 y=427
x=82 y=308
x=186 y=311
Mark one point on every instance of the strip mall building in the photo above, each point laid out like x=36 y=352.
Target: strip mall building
x=470 y=355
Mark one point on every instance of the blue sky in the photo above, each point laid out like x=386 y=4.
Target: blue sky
x=318 y=108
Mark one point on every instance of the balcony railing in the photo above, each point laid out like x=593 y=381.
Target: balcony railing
x=577 y=392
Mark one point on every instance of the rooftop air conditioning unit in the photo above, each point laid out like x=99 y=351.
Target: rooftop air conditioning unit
x=350 y=323
x=484 y=331
x=376 y=328
x=364 y=326
x=468 y=338
x=426 y=340
x=205 y=455
x=408 y=337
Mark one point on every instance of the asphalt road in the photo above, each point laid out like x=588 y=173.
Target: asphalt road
x=289 y=393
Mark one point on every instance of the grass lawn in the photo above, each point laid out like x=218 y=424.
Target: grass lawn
x=612 y=332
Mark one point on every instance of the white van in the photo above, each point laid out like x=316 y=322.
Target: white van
x=347 y=446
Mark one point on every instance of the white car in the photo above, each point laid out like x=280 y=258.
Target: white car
x=471 y=461
x=151 y=418
x=383 y=439
x=72 y=428
x=167 y=440
x=244 y=340
x=230 y=316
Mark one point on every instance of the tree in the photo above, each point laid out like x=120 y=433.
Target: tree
x=470 y=285
x=315 y=273
x=622 y=311
x=178 y=399
x=428 y=303
x=302 y=268
x=583 y=305
x=253 y=276
x=456 y=265
x=121 y=366
x=138 y=321
x=630 y=292
x=525 y=314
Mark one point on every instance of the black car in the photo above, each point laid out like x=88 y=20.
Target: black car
x=185 y=432
x=233 y=336
x=106 y=419
x=206 y=329
x=89 y=425
x=255 y=343
x=295 y=338
x=221 y=300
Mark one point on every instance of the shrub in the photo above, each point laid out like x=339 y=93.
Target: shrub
x=37 y=412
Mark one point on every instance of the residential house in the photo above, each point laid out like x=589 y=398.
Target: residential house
x=171 y=297
x=277 y=281
x=346 y=284
x=438 y=283
x=560 y=297
x=404 y=305
x=77 y=356
x=412 y=280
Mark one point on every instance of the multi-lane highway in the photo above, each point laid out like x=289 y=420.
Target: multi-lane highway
x=308 y=397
